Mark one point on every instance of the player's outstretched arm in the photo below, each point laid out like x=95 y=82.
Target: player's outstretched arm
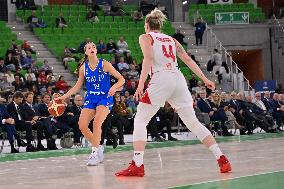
x=146 y=47
x=120 y=79
x=77 y=86
x=193 y=66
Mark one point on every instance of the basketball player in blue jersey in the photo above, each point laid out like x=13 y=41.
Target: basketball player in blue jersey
x=99 y=97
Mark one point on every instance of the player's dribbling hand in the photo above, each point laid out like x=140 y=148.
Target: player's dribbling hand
x=209 y=84
x=111 y=91
x=139 y=92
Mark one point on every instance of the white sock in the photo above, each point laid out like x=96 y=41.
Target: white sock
x=215 y=150
x=138 y=158
x=94 y=149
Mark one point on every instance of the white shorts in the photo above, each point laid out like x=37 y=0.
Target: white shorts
x=168 y=86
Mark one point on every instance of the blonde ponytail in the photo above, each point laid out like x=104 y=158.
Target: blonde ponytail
x=156 y=19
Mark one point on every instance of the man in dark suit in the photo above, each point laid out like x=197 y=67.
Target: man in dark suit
x=266 y=100
x=278 y=110
x=42 y=125
x=215 y=115
x=8 y=124
x=46 y=119
x=15 y=110
x=73 y=112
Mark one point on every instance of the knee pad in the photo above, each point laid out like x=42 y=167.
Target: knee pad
x=144 y=114
x=189 y=118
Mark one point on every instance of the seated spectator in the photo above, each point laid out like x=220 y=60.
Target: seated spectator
x=18 y=73
x=101 y=47
x=65 y=122
x=10 y=77
x=114 y=64
x=137 y=16
x=122 y=45
x=29 y=115
x=67 y=56
x=30 y=73
x=122 y=65
x=111 y=46
x=120 y=118
x=160 y=121
x=193 y=81
x=128 y=58
x=46 y=67
x=131 y=86
x=60 y=21
x=202 y=116
x=133 y=73
x=131 y=103
x=8 y=124
x=213 y=109
x=27 y=61
x=35 y=67
x=42 y=78
x=3 y=67
x=18 y=83
x=106 y=9
x=179 y=37
x=92 y=16
x=16 y=111
x=278 y=110
x=11 y=62
x=33 y=21
x=74 y=112
x=26 y=47
x=29 y=83
x=43 y=113
x=200 y=87
x=6 y=87
x=61 y=85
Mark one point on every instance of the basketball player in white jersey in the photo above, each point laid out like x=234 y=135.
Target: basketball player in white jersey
x=167 y=84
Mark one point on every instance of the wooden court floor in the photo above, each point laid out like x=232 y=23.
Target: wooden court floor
x=256 y=164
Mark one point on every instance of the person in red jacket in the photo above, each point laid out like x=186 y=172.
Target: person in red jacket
x=61 y=85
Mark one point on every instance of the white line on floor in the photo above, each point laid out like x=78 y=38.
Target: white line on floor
x=205 y=182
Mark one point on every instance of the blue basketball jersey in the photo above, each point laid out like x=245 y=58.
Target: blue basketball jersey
x=97 y=81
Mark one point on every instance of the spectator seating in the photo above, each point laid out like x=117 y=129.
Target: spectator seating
x=6 y=36
x=207 y=12
x=79 y=29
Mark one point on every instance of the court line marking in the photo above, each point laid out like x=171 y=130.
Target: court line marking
x=210 y=181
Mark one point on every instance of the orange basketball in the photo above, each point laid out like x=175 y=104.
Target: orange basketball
x=56 y=108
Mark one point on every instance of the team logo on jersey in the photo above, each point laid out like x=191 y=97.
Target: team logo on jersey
x=86 y=103
x=169 y=66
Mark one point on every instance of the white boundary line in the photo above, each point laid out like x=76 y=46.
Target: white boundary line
x=205 y=182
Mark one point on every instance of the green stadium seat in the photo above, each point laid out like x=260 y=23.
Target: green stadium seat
x=108 y=19
x=117 y=19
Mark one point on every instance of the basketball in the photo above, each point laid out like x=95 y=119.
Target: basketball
x=56 y=108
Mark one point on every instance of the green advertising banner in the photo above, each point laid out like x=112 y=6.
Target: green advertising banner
x=222 y=18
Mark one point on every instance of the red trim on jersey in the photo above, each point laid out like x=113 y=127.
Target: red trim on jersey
x=145 y=98
x=152 y=40
x=175 y=41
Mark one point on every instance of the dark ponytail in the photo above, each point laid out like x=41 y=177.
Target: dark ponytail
x=83 y=60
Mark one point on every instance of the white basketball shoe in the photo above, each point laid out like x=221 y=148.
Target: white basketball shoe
x=101 y=154
x=93 y=159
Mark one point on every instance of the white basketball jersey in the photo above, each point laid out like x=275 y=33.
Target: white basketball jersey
x=164 y=49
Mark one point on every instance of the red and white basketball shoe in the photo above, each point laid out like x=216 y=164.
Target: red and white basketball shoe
x=132 y=171
x=224 y=164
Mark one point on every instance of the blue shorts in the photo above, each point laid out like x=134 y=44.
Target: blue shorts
x=92 y=102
